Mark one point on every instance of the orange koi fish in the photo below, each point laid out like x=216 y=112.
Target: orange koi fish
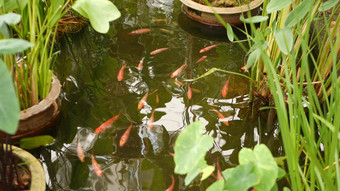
x=151 y=120
x=208 y=48
x=157 y=99
x=220 y=115
x=140 y=64
x=154 y=91
x=165 y=30
x=159 y=20
x=172 y=183
x=158 y=51
x=121 y=73
x=95 y=165
x=189 y=92
x=80 y=152
x=195 y=90
x=178 y=71
x=225 y=88
x=139 y=31
x=141 y=102
x=179 y=83
x=125 y=136
x=107 y=124
x=201 y=59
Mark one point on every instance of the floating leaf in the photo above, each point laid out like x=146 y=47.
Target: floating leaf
x=99 y=12
x=255 y=19
x=275 y=5
x=9 y=105
x=11 y=46
x=284 y=39
x=217 y=186
x=298 y=13
x=35 y=142
x=328 y=5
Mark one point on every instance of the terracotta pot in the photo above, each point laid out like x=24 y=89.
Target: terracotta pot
x=231 y=15
x=37 y=119
x=37 y=172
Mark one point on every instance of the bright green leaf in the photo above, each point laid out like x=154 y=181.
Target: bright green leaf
x=286 y=189
x=11 y=46
x=35 y=142
x=328 y=5
x=275 y=5
x=194 y=171
x=10 y=5
x=10 y=18
x=99 y=12
x=230 y=32
x=255 y=19
x=284 y=39
x=207 y=171
x=281 y=173
x=217 y=186
x=9 y=105
x=252 y=58
x=191 y=147
x=298 y=13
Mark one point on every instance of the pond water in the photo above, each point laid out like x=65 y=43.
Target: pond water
x=88 y=66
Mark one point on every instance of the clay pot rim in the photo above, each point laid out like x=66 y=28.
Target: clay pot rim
x=46 y=102
x=37 y=172
x=222 y=10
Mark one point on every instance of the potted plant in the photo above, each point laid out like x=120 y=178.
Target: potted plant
x=229 y=10
x=37 y=88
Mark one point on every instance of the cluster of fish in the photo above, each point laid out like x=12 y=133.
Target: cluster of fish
x=106 y=125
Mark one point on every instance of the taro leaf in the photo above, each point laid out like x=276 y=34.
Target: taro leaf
x=298 y=13
x=191 y=147
x=99 y=12
x=230 y=32
x=9 y=105
x=207 y=171
x=256 y=52
x=194 y=171
x=255 y=19
x=10 y=18
x=10 y=5
x=265 y=165
x=217 y=186
x=284 y=39
x=11 y=46
x=240 y=178
x=281 y=173
x=35 y=142
x=328 y=5
x=275 y=5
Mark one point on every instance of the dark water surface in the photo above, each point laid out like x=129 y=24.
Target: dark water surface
x=87 y=68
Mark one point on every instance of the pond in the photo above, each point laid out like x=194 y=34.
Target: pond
x=88 y=66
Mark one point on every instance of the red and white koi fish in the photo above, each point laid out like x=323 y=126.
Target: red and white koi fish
x=151 y=120
x=201 y=59
x=178 y=71
x=107 y=124
x=171 y=187
x=208 y=48
x=225 y=88
x=95 y=165
x=125 y=136
x=220 y=115
x=189 y=92
x=139 y=31
x=121 y=72
x=80 y=152
x=157 y=99
x=158 y=51
x=141 y=102
x=140 y=64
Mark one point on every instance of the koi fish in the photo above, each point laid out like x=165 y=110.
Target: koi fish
x=179 y=83
x=166 y=30
x=157 y=99
x=95 y=165
x=158 y=51
x=178 y=71
x=140 y=64
x=172 y=183
x=208 y=48
x=189 y=93
x=151 y=120
x=154 y=91
x=121 y=72
x=195 y=90
x=225 y=88
x=80 y=152
x=125 y=136
x=220 y=115
x=141 y=102
x=159 y=20
x=201 y=59
x=139 y=31
x=107 y=124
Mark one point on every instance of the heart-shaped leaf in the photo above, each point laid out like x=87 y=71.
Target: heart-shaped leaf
x=284 y=39
x=11 y=46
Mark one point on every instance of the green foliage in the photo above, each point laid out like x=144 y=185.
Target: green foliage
x=11 y=46
x=35 y=142
x=275 y=5
x=284 y=39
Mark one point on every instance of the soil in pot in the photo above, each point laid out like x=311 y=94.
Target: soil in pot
x=224 y=3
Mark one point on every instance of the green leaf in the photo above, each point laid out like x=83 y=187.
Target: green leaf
x=275 y=5
x=207 y=171
x=194 y=171
x=10 y=5
x=286 y=189
x=265 y=165
x=328 y=5
x=99 y=12
x=255 y=19
x=217 y=186
x=10 y=18
x=298 y=13
x=281 y=173
x=212 y=70
x=11 y=46
x=35 y=142
x=9 y=104
x=284 y=39
x=230 y=32
x=240 y=178
x=191 y=147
